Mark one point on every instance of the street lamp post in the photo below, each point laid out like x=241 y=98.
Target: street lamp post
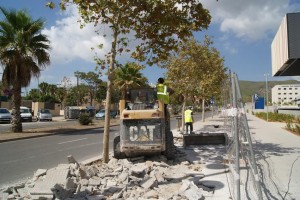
x=267 y=97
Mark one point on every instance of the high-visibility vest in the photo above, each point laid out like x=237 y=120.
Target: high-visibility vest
x=188 y=116
x=162 y=93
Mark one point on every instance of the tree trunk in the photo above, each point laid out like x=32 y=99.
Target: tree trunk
x=203 y=110
x=110 y=74
x=182 y=115
x=16 y=125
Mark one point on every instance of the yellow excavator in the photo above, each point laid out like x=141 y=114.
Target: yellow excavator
x=144 y=126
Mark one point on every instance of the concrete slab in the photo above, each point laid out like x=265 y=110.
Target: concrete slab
x=53 y=176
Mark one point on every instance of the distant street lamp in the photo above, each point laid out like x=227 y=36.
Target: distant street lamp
x=267 y=97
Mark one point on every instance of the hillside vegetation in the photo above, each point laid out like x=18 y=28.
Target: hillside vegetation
x=248 y=88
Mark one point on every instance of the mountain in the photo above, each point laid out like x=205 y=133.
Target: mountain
x=249 y=88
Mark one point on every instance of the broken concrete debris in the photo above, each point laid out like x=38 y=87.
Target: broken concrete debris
x=136 y=178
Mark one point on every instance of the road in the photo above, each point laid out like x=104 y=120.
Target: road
x=20 y=159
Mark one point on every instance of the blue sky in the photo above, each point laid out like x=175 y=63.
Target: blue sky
x=242 y=31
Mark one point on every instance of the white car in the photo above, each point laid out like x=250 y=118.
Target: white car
x=5 y=115
x=44 y=114
x=26 y=114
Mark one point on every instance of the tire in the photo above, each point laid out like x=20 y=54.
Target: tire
x=170 y=148
x=117 y=152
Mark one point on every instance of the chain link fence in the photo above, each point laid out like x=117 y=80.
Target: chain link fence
x=244 y=180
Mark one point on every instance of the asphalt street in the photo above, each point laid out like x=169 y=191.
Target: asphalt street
x=21 y=158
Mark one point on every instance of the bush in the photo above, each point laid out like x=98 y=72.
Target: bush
x=85 y=119
x=275 y=117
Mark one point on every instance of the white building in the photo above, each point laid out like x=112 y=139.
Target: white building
x=285 y=93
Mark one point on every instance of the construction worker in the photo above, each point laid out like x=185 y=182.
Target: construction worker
x=188 y=119
x=163 y=92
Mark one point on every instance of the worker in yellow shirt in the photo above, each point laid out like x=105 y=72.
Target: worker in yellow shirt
x=188 y=120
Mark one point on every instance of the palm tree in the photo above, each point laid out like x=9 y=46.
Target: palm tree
x=129 y=76
x=23 y=53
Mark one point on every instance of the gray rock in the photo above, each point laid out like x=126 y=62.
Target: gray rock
x=43 y=197
x=150 y=183
x=152 y=194
x=61 y=193
x=40 y=172
x=84 y=182
x=94 y=182
x=71 y=159
x=123 y=178
x=96 y=197
x=71 y=183
x=139 y=170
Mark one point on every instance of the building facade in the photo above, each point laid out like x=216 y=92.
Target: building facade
x=285 y=94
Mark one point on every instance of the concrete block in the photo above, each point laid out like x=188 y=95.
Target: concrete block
x=71 y=159
x=150 y=183
x=159 y=177
x=96 y=197
x=70 y=183
x=138 y=170
x=39 y=197
x=40 y=172
x=84 y=182
x=152 y=194
x=53 y=176
x=61 y=193
x=94 y=182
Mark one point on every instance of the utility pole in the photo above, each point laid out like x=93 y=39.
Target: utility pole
x=267 y=97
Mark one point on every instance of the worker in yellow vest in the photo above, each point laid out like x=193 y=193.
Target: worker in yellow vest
x=163 y=92
x=188 y=120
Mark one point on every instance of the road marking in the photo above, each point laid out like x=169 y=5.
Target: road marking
x=17 y=160
x=72 y=141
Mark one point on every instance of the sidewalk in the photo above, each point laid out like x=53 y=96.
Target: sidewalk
x=277 y=153
x=278 y=157
x=211 y=157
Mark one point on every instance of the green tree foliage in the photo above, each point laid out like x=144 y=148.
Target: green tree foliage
x=76 y=95
x=23 y=53
x=158 y=25
x=93 y=83
x=129 y=76
x=196 y=71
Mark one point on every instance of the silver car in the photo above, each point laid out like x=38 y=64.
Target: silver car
x=5 y=115
x=44 y=115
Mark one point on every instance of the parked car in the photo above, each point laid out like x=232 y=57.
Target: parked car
x=44 y=115
x=5 y=115
x=101 y=114
x=26 y=114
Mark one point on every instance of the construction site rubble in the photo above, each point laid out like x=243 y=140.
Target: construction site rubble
x=133 y=178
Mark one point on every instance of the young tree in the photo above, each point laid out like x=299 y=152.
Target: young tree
x=93 y=82
x=158 y=25
x=23 y=53
x=196 y=71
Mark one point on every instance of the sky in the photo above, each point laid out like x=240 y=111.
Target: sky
x=241 y=30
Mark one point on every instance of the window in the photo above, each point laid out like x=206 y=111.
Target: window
x=290 y=88
x=284 y=88
x=279 y=93
x=279 y=88
x=296 y=93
